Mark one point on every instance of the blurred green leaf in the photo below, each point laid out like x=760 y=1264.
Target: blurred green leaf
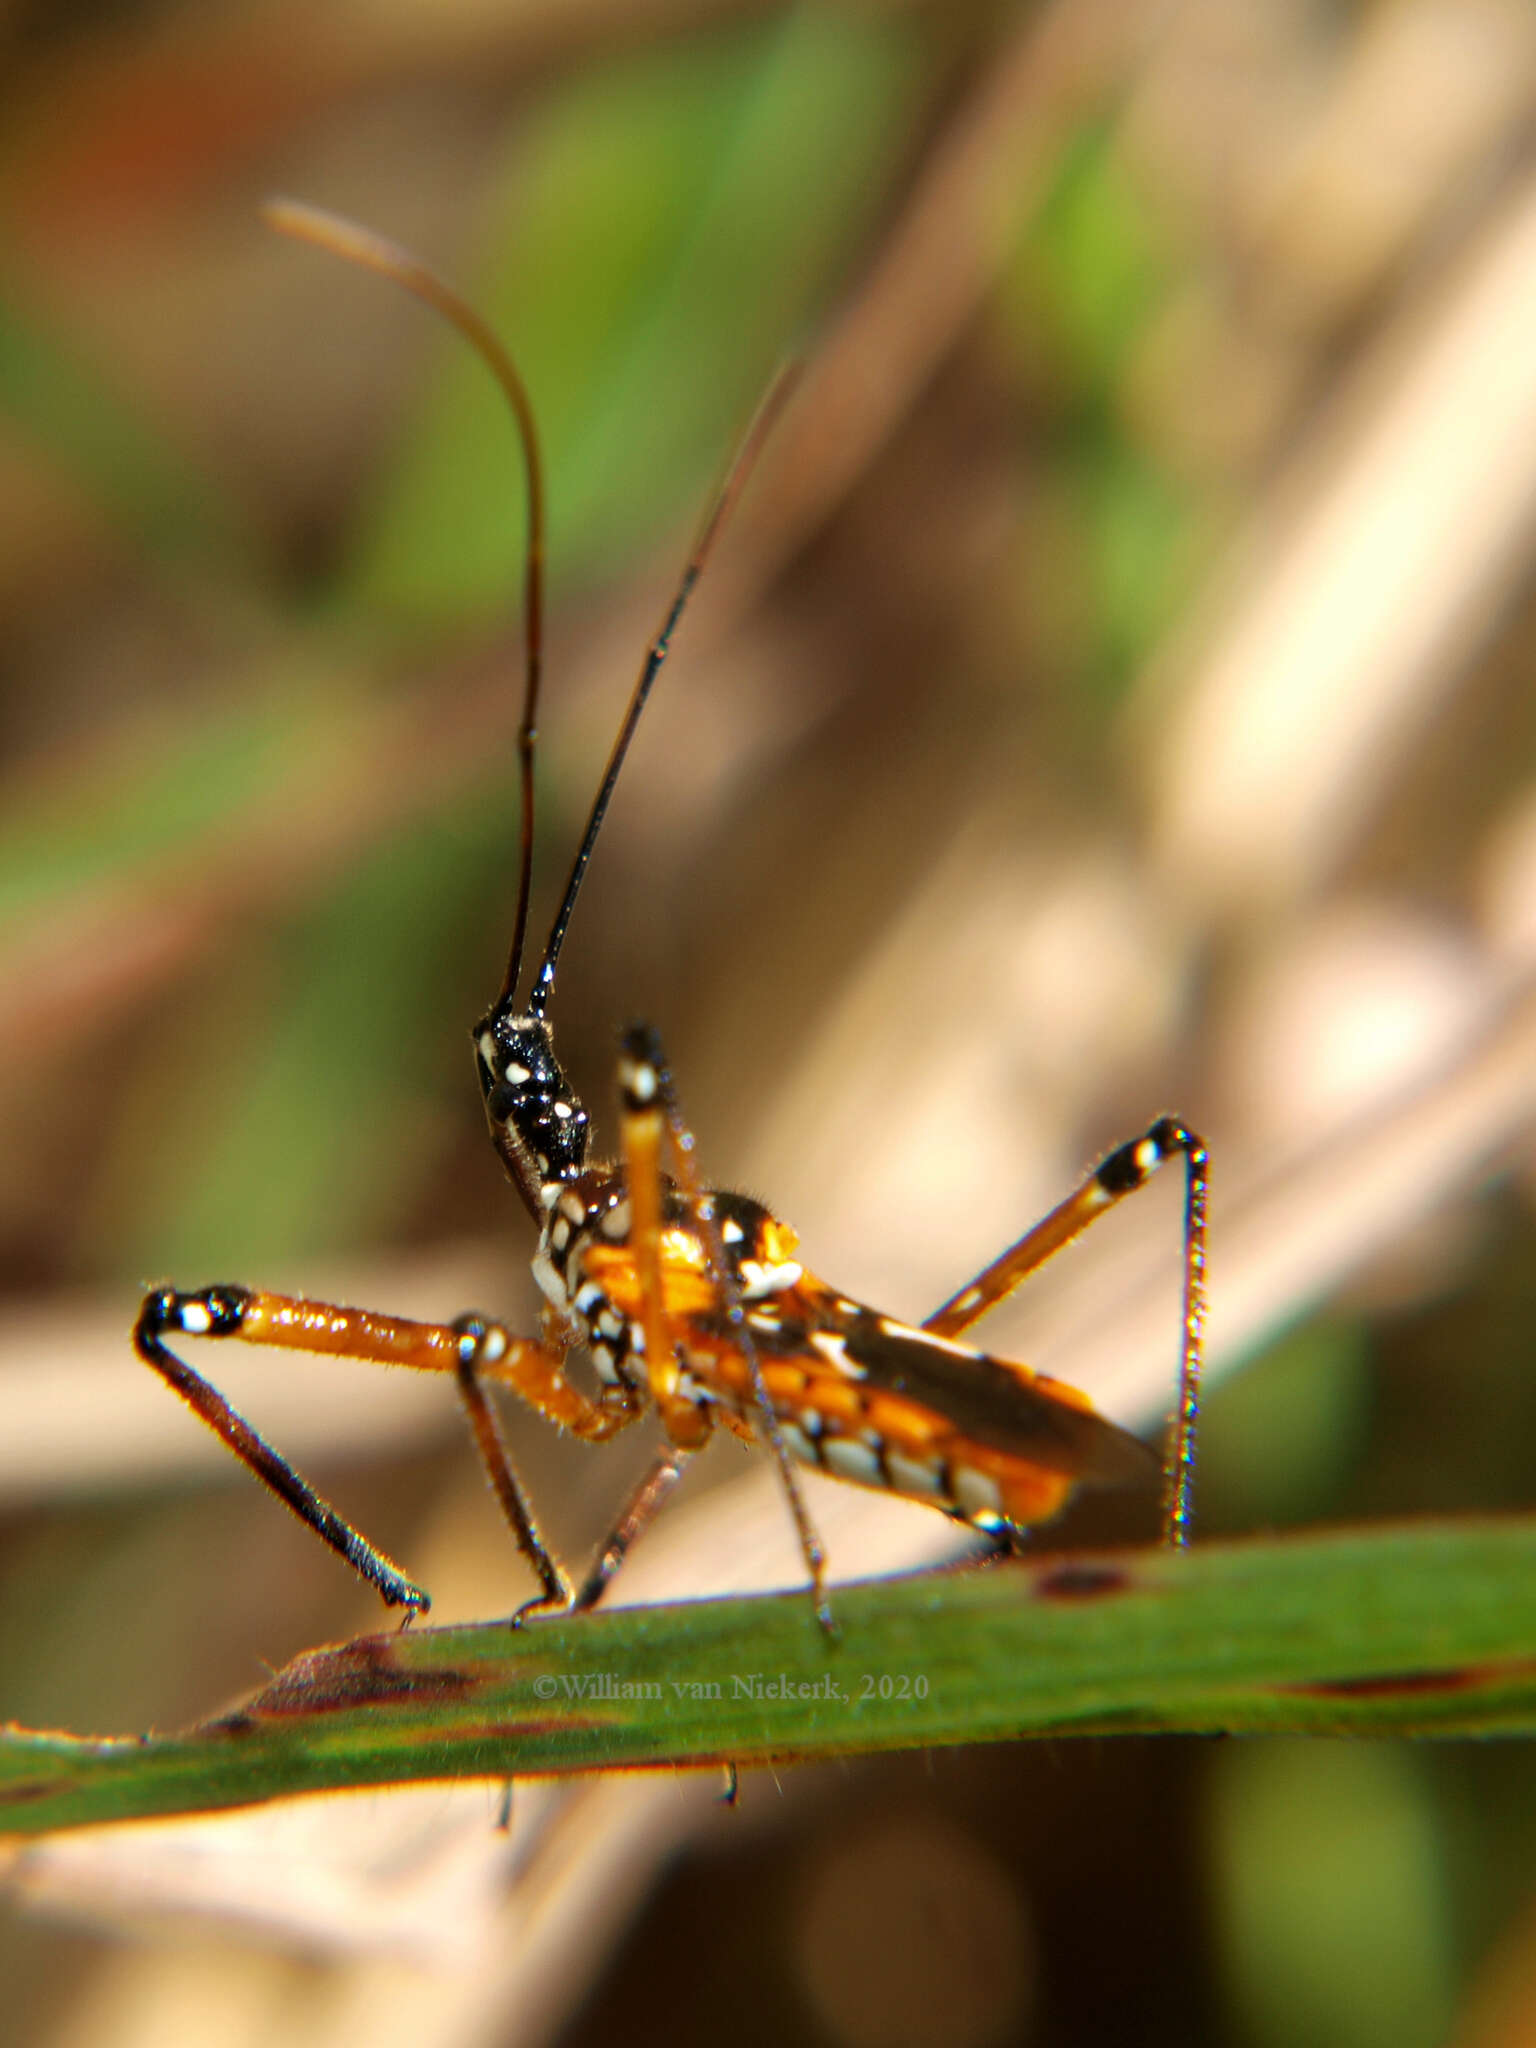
x=148 y=492
x=1333 y=1895
x=1135 y=525
x=1092 y=265
x=165 y=788
x=339 y=1031
x=1091 y=271
x=1278 y=1440
x=670 y=225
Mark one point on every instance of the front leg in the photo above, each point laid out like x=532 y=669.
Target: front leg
x=236 y=1312
x=468 y=1348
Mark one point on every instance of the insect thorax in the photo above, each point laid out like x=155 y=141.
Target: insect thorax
x=589 y=1210
x=585 y=1269
x=741 y=1255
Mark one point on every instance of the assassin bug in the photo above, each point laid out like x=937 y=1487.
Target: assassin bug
x=685 y=1297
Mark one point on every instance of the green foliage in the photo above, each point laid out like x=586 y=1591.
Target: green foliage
x=1422 y=1630
x=147 y=492
x=668 y=226
x=1094 y=269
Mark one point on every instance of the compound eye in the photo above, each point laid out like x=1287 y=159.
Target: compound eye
x=500 y=1102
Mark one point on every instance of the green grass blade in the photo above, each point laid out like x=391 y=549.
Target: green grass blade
x=153 y=497
x=1427 y=1630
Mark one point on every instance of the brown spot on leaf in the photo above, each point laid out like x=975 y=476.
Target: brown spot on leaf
x=1074 y=1581
x=24 y=1794
x=1391 y=1684
x=368 y=1672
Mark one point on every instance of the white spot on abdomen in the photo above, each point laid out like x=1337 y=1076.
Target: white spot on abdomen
x=916 y=1476
x=797 y=1443
x=850 y=1459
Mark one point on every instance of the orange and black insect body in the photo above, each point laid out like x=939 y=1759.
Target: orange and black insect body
x=689 y=1300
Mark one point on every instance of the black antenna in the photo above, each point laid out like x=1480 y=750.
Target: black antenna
x=360 y=245
x=746 y=456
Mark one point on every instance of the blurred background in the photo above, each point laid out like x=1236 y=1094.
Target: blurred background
x=1112 y=697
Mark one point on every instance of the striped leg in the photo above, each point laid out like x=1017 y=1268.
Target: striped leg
x=470 y=1348
x=651 y=1120
x=639 y=1511
x=483 y=1344
x=1126 y=1169
x=536 y=1373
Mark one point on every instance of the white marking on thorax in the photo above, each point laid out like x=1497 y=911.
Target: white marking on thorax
x=834 y=1349
x=550 y=1283
x=758 y=1279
